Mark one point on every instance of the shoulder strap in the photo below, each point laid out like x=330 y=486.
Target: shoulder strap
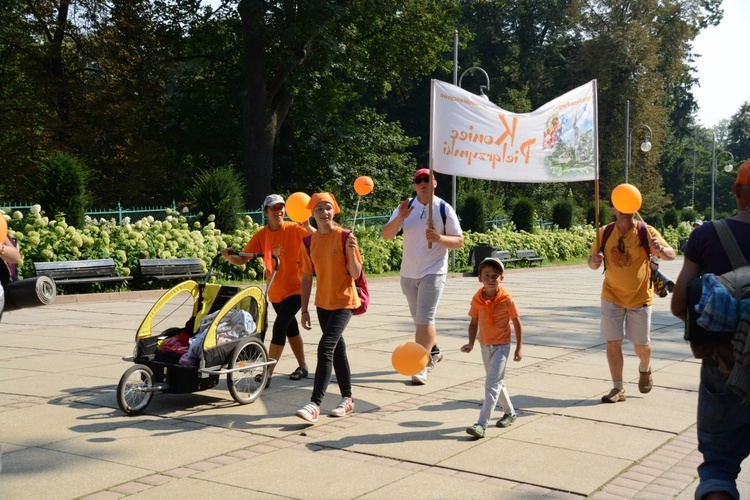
x=644 y=235
x=606 y=234
x=442 y=213
x=307 y=240
x=728 y=241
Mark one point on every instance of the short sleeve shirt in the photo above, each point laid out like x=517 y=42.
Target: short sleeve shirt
x=493 y=316
x=284 y=244
x=418 y=261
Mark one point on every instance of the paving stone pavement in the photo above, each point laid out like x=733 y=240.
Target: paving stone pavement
x=64 y=437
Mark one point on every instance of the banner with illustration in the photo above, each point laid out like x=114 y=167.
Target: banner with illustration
x=472 y=137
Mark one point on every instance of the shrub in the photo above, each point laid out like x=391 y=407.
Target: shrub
x=562 y=213
x=656 y=220
x=218 y=195
x=689 y=215
x=62 y=188
x=671 y=217
x=472 y=215
x=605 y=214
x=523 y=215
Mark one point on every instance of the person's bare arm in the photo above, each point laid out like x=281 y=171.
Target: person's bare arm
x=689 y=271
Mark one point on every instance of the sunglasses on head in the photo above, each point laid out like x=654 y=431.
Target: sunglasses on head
x=420 y=180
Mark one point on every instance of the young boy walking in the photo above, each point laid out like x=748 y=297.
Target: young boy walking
x=492 y=310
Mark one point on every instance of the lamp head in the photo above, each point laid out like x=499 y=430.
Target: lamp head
x=646 y=146
x=728 y=167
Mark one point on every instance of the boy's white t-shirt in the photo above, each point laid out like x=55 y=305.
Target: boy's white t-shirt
x=418 y=261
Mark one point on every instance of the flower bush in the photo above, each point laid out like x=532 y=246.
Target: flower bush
x=43 y=240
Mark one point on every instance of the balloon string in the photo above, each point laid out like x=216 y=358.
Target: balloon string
x=356 y=211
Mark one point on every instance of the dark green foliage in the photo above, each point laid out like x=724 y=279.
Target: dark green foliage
x=472 y=214
x=219 y=192
x=656 y=220
x=605 y=214
x=62 y=188
x=671 y=217
x=523 y=215
x=689 y=215
x=562 y=213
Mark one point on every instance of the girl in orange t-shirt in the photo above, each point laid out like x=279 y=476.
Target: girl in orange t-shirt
x=284 y=240
x=336 y=264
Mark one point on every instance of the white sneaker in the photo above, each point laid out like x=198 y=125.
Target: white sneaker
x=345 y=407
x=420 y=378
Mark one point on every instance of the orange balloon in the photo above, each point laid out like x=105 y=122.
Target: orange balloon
x=296 y=207
x=3 y=227
x=409 y=358
x=363 y=185
x=626 y=198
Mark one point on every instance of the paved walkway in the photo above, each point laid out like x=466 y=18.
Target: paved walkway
x=64 y=437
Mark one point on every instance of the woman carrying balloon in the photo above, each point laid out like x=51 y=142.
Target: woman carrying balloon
x=336 y=263
x=282 y=239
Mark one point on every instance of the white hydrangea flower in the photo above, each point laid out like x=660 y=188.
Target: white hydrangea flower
x=17 y=215
x=211 y=218
x=35 y=209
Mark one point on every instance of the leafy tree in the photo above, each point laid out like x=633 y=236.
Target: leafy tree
x=562 y=213
x=738 y=141
x=62 y=188
x=218 y=195
x=472 y=213
x=523 y=215
x=292 y=45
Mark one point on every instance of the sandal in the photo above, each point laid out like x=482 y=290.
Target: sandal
x=258 y=379
x=299 y=373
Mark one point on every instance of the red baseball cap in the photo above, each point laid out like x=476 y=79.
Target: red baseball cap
x=422 y=172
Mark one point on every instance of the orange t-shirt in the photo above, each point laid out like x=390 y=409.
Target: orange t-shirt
x=494 y=316
x=284 y=244
x=327 y=261
x=626 y=278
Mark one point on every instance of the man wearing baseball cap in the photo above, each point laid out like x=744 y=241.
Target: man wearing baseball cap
x=723 y=418
x=423 y=269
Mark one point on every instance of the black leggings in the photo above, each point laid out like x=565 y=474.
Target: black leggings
x=332 y=354
x=286 y=319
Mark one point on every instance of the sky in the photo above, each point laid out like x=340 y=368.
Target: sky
x=723 y=69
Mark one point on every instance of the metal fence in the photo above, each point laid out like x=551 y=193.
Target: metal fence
x=160 y=213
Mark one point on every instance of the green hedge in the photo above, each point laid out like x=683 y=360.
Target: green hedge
x=43 y=240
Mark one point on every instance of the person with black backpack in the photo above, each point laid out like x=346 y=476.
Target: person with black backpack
x=424 y=265
x=625 y=247
x=723 y=421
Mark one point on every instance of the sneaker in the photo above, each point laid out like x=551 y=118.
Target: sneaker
x=645 y=381
x=436 y=356
x=420 y=378
x=309 y=412
x=507 y=420
x=345 y=407
x=614 y=396
x=475 y=430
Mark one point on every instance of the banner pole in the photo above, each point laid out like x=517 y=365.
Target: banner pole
x=430 y=224
x=596 y=165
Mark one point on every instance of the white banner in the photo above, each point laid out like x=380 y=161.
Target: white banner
x=472 y=137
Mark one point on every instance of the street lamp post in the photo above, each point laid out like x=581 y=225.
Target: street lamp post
x=645 y=145
x=727 y=168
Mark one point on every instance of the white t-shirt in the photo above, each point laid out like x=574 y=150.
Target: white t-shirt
x=418 y=261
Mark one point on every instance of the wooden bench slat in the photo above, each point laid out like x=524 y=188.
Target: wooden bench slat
x=171 y=269
x=80 y=271
x=529 y=256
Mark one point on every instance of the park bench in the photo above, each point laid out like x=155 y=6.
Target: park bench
x=69 y=272
x=171 y=269
x=505 y=258
x=528 y=256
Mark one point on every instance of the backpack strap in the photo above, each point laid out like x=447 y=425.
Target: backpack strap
x=443 y=214
x=307 y=240
x=728 y=241
x=644 y=235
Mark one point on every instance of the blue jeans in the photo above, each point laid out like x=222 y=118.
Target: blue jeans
x=495 y=358
x=332 y=354
x=723 y=433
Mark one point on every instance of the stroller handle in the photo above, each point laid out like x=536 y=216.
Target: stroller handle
x=277 y=264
